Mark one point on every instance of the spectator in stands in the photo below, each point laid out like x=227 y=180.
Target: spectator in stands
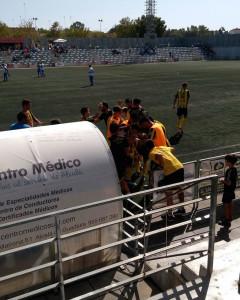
x=119 y=147
x=230 y=182
x=91 y=71
x=173 y=173
x=22 y=122
x=182 y=97
x=26 y=108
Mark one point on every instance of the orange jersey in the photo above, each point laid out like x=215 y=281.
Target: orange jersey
x=110 y=121
x=158 y=135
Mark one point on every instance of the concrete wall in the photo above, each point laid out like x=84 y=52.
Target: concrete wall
x=227 y=52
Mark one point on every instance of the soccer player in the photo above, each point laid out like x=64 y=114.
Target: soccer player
x=26 y=108
x=229 y=182
x=85 y=111
x=115 y=118
x=128 y=103
x=106 y=113
x=157 y=131
x=182 y=97
x=22 y=121
x=173 y=173
x=119 y=147
x=5 y=72
x=39 y=69
x=42 y=69
x=91 y=71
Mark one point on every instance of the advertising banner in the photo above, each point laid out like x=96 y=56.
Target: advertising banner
x=11 y=40
x=214 y=166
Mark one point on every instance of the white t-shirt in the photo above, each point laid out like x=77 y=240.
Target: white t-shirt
x=91 y=71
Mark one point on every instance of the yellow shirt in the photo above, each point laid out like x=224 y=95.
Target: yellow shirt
x=30 y=118
x=183 y=96
x=170 y=163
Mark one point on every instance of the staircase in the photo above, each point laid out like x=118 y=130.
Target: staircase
x=97 y=60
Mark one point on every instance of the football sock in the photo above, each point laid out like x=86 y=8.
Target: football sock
x=184 y=121
x=179 y=123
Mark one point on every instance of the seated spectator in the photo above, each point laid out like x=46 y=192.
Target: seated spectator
x=22 y=122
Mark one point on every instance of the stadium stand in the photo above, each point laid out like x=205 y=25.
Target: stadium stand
x=79 y=56
x=124 y=56
x=18 y=57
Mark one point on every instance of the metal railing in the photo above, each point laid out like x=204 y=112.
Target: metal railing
x=139 y=237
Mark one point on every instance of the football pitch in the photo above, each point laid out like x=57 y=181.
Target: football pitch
x=213 y=120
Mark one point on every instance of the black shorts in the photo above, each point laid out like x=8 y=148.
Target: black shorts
x=175 y=177
x=182 y=111
x=228 y=197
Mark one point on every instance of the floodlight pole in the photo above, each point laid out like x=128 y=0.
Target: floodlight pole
x=35 y=20
x=100 y=22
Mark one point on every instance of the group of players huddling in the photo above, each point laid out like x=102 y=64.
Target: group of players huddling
x=135 y=139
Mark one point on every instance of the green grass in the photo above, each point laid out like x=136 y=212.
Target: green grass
x=213 y=120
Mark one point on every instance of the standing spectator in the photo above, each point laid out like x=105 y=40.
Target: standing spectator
x=182 y=97
x=5 y=72
x=26 y=108
x=22 y=121
x=91 y=71
x=229 y=182
x=173 y=173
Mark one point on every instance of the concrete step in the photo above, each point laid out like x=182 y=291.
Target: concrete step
x=221 y=285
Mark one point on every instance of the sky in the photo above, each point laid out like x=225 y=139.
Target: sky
x=176 y=13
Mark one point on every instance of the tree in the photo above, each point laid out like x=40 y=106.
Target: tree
x=126 y=28
x=4 y=30
x=222 y=30
x=77 y=25
x=55 y=30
